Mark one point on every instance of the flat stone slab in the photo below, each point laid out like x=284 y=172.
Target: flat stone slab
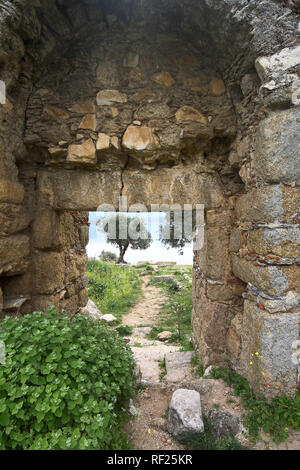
x=165 y=278
x=142 y=331
x=178 y=366
x=148 y=357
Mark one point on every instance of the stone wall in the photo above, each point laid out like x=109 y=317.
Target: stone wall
x=162 y=102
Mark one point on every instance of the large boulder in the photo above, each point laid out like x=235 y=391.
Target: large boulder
x=185 y=414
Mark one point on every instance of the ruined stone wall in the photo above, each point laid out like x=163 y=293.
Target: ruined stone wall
x=162 y=102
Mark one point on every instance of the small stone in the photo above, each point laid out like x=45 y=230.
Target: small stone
x=89 y=122
x=108 y=97
x=87 y=107
x=187 y=113
x=108 y=318
x=139 y=138
x=56 y=112
x=114 y=112
x=133 y=410
x=208 y=371
x=57 y=152
x=185 y=414
x=247 y=84
x=103 y=142
x=82 y=153
x=217 y=87
x=165 y=336
x=91 y=310
x=131 y=60
x=115 y=142
x=163 y=78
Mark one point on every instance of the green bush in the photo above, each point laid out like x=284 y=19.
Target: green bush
x=64 y=384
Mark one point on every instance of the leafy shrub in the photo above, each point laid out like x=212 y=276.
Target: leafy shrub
x=64 y=384
x=108 y=256
x=149 y=268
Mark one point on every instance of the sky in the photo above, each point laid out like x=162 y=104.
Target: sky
x=156 y=252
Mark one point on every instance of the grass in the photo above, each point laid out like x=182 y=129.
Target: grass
x=114 y=289
x=162 y=365
x=175 y=315
x=275 y=418
x=198 y=368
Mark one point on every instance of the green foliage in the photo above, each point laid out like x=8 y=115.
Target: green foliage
x=207 y=441
x=125 y=330
x=274 y=418
x=64 y=384
x=114 y=289
x=124 y=231
x=108 y=257
x=173 y=233
x=149 y=268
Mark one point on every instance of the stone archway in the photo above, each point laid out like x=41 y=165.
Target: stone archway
x=162 y=102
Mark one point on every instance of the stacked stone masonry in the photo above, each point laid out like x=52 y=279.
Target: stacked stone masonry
x=164 y=102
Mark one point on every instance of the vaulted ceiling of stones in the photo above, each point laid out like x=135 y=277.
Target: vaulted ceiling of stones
x=164 y=61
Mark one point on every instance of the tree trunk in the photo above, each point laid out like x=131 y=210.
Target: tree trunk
x=123 y=250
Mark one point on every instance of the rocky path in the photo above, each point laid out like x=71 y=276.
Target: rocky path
x=148 y=353
x=148 y=429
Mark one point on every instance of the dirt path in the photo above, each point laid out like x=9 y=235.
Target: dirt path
x=148 y=429
x=147 y=309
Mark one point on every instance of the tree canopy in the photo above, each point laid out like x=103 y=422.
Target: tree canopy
x=125 y=231
x=176 y=230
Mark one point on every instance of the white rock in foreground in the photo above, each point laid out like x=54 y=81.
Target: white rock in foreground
x=185 y=414
x=91 y=310
x=108 y=318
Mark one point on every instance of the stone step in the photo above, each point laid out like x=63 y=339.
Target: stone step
x=148 y=358
x=178 y=366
